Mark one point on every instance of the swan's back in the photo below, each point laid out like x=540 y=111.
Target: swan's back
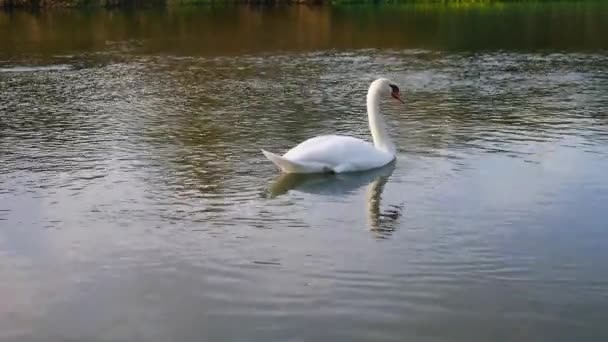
x=339 y=153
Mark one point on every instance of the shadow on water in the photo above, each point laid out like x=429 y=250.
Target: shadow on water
x=381 y=222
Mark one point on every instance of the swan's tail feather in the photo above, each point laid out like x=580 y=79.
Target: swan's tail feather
x=285 y=165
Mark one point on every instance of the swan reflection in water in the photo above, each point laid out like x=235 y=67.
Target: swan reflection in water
x=381 y=223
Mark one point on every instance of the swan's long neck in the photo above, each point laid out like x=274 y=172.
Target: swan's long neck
x=376 y=122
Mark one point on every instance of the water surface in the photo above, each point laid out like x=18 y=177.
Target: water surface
x=135 y=203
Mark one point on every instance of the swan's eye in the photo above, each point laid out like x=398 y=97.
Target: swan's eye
x=395 y=93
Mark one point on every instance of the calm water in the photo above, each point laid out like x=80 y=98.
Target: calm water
x=135 y=204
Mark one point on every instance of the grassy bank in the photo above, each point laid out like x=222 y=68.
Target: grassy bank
x=35 y=4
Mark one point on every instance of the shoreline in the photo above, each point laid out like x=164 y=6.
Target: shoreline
x=7 y=5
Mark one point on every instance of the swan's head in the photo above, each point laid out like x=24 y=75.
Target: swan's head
x=386 y=86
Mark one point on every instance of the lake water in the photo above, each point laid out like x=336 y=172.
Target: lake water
x=135 y=204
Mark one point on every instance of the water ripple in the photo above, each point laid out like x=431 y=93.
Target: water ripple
x=146 y=174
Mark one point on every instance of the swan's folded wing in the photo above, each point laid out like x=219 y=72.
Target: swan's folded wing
x=337 y=151
x=290 y=166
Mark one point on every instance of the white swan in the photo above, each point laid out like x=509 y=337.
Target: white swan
x=337 y=153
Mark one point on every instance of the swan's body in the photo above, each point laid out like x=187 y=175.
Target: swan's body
x=331 y=153
x=338 y=153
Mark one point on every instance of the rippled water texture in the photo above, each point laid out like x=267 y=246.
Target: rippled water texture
x=135 y=204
